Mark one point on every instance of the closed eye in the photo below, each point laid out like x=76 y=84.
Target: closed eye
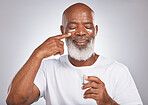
x=88 y=27
x=71 y=28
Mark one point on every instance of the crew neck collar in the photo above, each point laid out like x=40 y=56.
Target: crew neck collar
x=82 y=67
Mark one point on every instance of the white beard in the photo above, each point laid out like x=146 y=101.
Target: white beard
x=80 y=53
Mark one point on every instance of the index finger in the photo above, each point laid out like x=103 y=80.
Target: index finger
x=63 y=36
x=94 y=79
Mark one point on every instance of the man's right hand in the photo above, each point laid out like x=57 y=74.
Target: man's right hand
x=52 y=46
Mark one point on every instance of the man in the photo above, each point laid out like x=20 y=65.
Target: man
x=60 y=81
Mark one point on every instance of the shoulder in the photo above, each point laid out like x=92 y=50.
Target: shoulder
x=113 y=65
x=118 y=72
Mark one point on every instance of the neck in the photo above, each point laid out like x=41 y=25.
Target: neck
x=90 y=61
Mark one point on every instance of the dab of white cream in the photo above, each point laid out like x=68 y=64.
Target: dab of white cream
x=89 y=30
x=72 y=30
x=69 y=33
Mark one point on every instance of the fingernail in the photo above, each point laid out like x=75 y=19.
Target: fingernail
x=69 y=33
x=86 y=77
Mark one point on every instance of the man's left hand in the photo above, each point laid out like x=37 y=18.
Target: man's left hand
x=97 y=91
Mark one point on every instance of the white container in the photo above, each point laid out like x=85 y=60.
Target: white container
x=86 y=76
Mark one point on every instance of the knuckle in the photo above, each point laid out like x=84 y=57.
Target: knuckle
x=88 y=84
x=60 y=46
x=62 y=42
x=55 y=43
x=51 y=38
x=89 y=95
x=94 y=90
x=63 y=48
x=85 y=85
x=94 y=96
x=55 y=46
x=91 y=90
x=101 y=91
x=88 y=91
x=93 y=83
x=97 y=79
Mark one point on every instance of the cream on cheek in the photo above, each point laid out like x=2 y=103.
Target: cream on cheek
x=89 y=30
x=72 y=30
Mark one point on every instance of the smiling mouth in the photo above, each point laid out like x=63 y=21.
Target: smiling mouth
x=81 y=42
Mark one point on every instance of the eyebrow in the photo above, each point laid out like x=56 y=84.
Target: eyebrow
x=72 y=23
x=88 y=23
x=84 y=23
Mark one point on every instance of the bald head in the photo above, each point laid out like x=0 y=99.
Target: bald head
x=77 y=9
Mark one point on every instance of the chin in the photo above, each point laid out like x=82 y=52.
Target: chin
x=80 y=47
x=78 y=52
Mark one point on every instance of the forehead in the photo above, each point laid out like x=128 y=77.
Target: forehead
x=79 y=16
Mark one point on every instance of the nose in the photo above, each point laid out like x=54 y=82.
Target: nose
x=80 y=31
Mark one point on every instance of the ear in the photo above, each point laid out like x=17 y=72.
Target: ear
x=62 y=29
x=96 y=28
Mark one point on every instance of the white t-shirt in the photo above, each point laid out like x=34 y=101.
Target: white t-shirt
x=60 y=82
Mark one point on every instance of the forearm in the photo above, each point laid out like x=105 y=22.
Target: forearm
x=22 y=84
x=112 y=102
x=109 y=101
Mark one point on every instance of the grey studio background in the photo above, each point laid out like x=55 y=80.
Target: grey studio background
x=123 y=35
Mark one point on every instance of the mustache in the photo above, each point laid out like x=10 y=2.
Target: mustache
x=81 y=37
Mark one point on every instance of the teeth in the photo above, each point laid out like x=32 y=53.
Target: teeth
x=81 y=41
